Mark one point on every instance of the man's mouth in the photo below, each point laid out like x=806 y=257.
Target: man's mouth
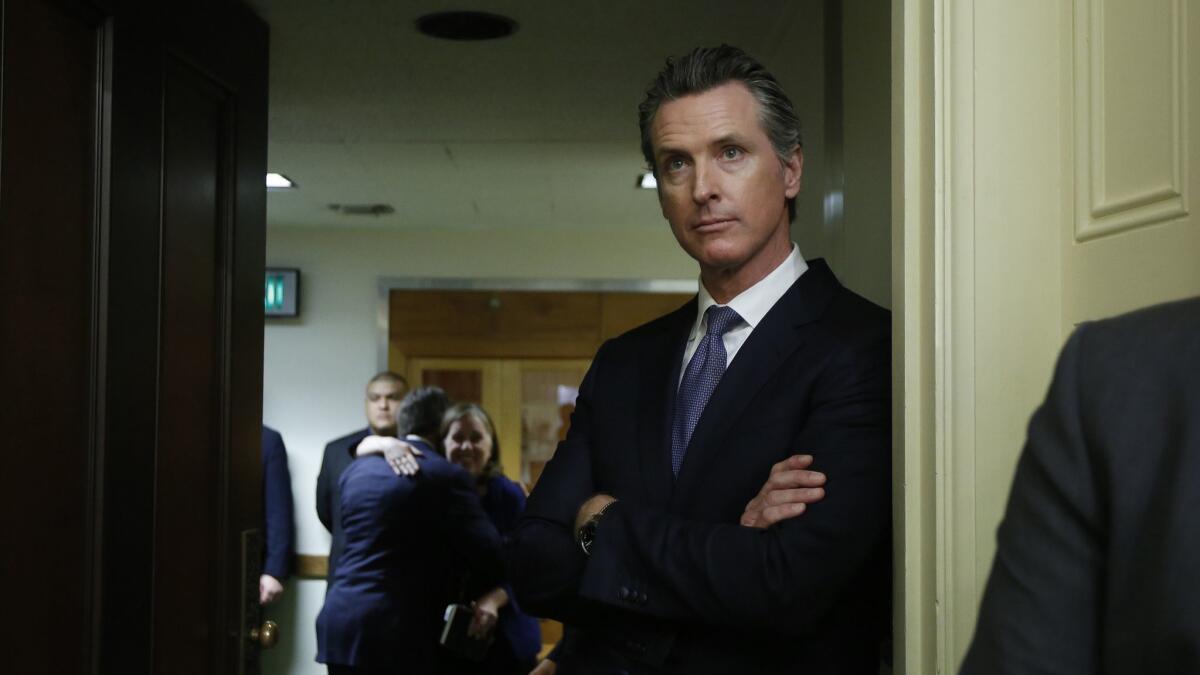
x=711 y=224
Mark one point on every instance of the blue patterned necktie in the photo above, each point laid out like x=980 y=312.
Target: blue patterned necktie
x=700 y=378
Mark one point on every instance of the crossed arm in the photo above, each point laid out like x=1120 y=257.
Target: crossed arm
x=745 y=574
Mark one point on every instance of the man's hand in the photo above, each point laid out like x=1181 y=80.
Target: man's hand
x=595 y=504
x=269 y=589
x=788 y=490
x=401 y=456
x=487 y=613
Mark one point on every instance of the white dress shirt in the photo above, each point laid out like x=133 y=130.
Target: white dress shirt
x=751 y=304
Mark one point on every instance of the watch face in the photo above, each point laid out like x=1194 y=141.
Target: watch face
x=587 y=533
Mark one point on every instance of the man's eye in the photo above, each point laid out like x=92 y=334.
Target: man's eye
x=674 y=165
x=731 y=153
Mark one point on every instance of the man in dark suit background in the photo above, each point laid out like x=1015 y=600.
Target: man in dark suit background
x=1098 y=552
x=384 y=392
x=651 y=529
x=279 y=527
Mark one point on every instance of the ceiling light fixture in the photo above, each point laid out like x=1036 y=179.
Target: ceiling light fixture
x=647 y=181
x=278 y=181
x=469 y=26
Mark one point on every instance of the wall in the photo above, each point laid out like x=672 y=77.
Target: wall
x=315 y=367
x=866 y=76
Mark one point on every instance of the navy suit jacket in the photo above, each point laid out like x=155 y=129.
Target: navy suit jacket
x=1096 y=558
x=337 y=458
x=278 y=523
x=403 y=535
x=674 y=583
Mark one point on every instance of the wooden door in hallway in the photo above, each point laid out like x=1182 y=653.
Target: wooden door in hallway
x=133 y=159
x=530 y=402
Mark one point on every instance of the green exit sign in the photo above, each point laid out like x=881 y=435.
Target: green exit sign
x=282 y=297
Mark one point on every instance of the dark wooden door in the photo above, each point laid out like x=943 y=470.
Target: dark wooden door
x=133 y=205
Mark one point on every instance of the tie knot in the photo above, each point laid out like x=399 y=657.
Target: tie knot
x=721 y=319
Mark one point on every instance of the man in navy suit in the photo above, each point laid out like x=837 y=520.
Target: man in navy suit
x=279 y=529
x=384 y=393
x=650 y=529
x=383 y=609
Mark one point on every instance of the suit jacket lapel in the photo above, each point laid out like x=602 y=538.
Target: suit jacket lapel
x=661 y=363
x=777 y=336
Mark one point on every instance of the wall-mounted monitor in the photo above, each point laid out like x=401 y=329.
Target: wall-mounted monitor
x=282 y=292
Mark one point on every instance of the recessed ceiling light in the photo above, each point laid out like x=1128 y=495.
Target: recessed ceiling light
x=646 y=181
x=278 y=181
x=466 y=25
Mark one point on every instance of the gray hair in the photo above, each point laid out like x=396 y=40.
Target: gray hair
x=705 y=68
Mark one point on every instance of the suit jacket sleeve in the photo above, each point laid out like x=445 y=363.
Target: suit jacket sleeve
x=784 y=579
x=325 y=488
x=470 y=534
x=277 y=503
x=1042 y=601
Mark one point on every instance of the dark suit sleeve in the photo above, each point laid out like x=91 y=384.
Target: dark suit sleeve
x=1043 y=599
x=277 y=507
x=325 y=488
x=469 y=532
x=784 y=579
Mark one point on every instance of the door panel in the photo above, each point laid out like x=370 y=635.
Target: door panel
x=131 y=188
x=48 y=223
x=189 y=458
x=1134 y=239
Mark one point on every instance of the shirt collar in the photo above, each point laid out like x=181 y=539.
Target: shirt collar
x=753 y=303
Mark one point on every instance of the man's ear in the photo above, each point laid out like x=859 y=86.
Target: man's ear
x=792 y=169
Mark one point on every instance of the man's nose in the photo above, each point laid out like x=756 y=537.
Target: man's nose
x=704 y=183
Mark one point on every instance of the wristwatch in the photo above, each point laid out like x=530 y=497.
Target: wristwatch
x=587 y=532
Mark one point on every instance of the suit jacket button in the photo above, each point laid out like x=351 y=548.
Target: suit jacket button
x=623 y=593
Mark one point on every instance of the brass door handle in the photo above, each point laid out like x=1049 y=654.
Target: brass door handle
x=266 y=636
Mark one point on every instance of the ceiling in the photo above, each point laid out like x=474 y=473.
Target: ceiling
x=535 y=130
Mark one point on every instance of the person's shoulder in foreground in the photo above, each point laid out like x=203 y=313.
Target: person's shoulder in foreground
x=1098 y=545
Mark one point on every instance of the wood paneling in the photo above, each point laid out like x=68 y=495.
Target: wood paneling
x=47 y=334
x=312 y=566
x=514 y=324
x=621 y=312
x=462 y=386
